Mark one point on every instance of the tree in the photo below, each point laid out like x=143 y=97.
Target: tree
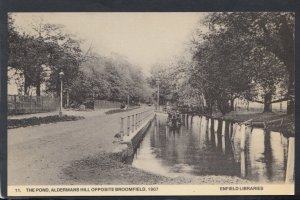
x=272 y=31
x=44 y=53
x=221 y=71
x=243 y=55
x=64 y=54
x=114 y=78
x=268 y=73
x=166 y=88
x=26 y=55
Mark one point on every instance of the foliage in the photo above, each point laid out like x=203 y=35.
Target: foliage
x=243 y=55
x=271 y=35
x=166 y=88
x=45 y=52
x=114 y=79
x=221 y=70
x=39 y=56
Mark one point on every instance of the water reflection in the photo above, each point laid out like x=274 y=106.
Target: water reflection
x=212 y=147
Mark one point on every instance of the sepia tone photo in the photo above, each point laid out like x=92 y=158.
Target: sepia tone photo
x=151 y=103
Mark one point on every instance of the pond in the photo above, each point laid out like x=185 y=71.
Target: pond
x=202 y=146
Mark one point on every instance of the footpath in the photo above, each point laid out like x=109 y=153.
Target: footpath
x=38 y=154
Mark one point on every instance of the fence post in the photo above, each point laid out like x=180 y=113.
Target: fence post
x=35 y=103
x=122 y=127
x=42 y=105
x=30 y=101
x=34 y=99
x=140 y=114
x=132 y=129
x=128 y=125
x=15 y=103
x=136 y=121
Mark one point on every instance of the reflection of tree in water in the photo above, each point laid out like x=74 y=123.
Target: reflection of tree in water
x=219 y=135
x=247 y=163
x=209 y=158
x=207 y=132
x=228 y=148
x=212 y=133
x=166 y=141
x=268 y=157
x=266 y=167
x=191 y=150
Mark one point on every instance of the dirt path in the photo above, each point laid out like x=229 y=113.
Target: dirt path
x=37 y=154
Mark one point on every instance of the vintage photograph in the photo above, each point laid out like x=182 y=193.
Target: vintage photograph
x=108 y=103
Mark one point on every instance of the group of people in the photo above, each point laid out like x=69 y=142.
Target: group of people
x=174 y=118
x=123 y=106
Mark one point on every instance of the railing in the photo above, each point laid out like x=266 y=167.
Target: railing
x=106 y=104
x=134 y=121
x=17 y=104
x=244 y=105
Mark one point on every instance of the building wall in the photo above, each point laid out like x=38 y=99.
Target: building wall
x=15 y=84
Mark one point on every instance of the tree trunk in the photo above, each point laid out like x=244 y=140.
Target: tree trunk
x=288 y=56
x=26 y=84
x=223 y=106
x=290 y=107
x=210 y=109
x=291 y=102
x=38 y=88
x=232 y=104
x=267 y=103
x=219 y=130
x=58 y=88
x=212 y=132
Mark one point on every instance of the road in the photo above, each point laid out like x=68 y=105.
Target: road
x=37 y=154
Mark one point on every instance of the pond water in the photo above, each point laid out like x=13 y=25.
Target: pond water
x=209 y=147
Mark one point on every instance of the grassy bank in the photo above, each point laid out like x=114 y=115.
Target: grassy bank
x=120 y=110
x=16 y=123
x=273 y=121
x=102 y=169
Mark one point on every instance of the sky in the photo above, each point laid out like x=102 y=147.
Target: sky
x=145 y=39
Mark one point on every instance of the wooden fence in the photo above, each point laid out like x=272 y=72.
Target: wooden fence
x=31 y=104
x=99 y=104
x=259 y=107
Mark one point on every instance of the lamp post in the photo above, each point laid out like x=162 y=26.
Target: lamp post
x=61 y=74
x=68 y=97
x=94 y=91
x=157 y=82
x=128 y=100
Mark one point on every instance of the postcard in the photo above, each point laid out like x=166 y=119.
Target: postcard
x=150 y=103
